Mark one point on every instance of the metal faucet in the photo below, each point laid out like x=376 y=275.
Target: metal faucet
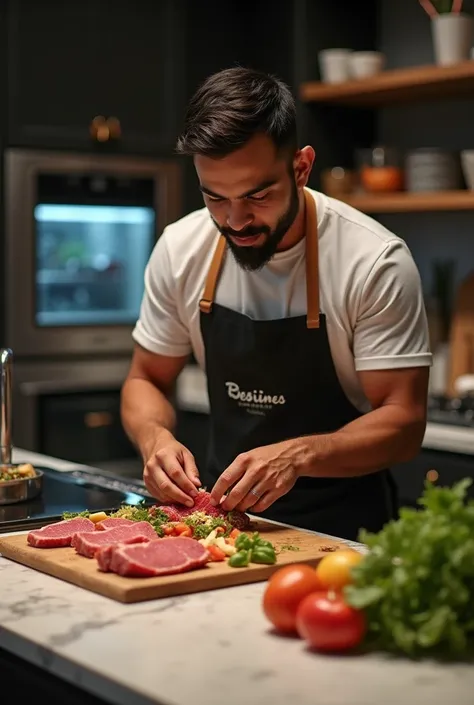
x=6 y=360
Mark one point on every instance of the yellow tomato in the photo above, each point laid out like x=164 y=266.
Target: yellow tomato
x=334 y=570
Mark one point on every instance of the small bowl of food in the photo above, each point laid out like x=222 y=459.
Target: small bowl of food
x=19 y=483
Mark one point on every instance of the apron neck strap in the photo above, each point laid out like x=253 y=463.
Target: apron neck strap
x=312 y=262
x=312 y=267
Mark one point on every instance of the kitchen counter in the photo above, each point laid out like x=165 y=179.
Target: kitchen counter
x=205 y=649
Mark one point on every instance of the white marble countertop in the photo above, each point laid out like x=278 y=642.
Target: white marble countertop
x=206 y=649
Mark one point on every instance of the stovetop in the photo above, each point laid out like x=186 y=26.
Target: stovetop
x=452 y=412
x=76 y=491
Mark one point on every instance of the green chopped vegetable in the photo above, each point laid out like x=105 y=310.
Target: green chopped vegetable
x=240 y=559
x=254 y=548
x=73 y=515
x=243 y=541
x=263 y=554
x=202 y=524
x=416 y=584
x=153 y=515
x=289 y=547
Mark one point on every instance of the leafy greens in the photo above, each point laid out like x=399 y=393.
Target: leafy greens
x=416 y=584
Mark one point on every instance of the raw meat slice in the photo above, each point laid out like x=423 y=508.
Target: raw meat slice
x=87 y=543
x=104 y=555
x=60 y=533
x=172 y=512
x=161 y=557
x=112 y=522
x=202 y=503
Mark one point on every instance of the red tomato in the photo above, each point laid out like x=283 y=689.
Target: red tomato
x=327 y=623
x=285 y=590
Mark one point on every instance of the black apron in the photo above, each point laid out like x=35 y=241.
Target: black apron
x=272 y=380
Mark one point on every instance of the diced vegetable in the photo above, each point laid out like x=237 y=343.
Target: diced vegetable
x=216 y=553
x=97 y=516
x=241 y=559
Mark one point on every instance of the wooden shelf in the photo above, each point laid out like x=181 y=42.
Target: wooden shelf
x=403 y=202
x=395 y=86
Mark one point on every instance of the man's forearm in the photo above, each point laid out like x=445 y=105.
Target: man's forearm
x=146 y=413
x=372 y=442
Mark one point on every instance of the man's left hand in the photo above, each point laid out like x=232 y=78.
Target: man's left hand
x=259 y=477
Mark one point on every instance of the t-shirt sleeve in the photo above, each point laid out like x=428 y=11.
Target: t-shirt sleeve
x=391 y=329
x=159 y=328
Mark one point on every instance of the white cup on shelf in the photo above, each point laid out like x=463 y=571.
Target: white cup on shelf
x=364 y=64
x=467 y=163
x=452 y=36
x=334 y=65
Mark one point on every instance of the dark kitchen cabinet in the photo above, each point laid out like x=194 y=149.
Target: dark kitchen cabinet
x=84 y=427
x=69 y=62
x=443 y=468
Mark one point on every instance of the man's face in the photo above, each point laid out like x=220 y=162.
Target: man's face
x=252 y=197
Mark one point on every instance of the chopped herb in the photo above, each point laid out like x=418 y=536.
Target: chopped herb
x=74 y=515
x=289 y=547
x=202 y=524
x=153 y=515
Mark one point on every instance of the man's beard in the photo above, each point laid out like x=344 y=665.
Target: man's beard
x=254 y=258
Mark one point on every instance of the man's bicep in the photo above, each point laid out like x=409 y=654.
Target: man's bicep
x=405 y=388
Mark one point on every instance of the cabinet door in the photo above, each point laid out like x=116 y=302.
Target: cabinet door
x=72 y=61
x=443 y=468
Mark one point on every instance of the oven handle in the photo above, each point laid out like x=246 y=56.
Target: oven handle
x=36 y=389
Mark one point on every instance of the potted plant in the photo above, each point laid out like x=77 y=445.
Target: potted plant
x=451 y=30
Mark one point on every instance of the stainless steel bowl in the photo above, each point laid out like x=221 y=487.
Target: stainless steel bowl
x=13 y=491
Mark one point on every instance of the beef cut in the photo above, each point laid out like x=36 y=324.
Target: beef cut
x=166 y=556
x=112 y=522
x=60 y=533
x=202 y=503
x=87 y=543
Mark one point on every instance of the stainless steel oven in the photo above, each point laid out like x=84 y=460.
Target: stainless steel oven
x=79 y=231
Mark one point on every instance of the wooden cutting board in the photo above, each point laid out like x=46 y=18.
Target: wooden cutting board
x=66 y=564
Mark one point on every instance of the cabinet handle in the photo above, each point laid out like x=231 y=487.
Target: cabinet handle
x=104 y=129
x=98 y=419
x=432 y=475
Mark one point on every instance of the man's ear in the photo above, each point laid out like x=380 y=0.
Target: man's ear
x=303 y=164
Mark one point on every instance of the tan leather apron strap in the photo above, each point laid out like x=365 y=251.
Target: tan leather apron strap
x=312 y=268
x=312 y=263
x=207 y=300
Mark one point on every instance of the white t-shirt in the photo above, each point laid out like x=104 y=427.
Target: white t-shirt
x=370 y=292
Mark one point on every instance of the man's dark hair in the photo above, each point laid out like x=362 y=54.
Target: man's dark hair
x=232 y=106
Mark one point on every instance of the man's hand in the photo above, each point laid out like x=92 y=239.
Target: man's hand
x=170 y=472
x=260 y=477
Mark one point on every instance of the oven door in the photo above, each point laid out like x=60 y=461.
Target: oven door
x=79 y=232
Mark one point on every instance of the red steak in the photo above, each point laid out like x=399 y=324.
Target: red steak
x=202 y=503
x=60 y=533
x=161 y=557
x=87 y=543
x=112 y=522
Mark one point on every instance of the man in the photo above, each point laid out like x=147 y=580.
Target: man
x=307 y=316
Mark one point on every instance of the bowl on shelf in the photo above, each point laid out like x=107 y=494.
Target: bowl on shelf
x=467 y=163
x=338 y=181
x=364 y=64
x=379 y=170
